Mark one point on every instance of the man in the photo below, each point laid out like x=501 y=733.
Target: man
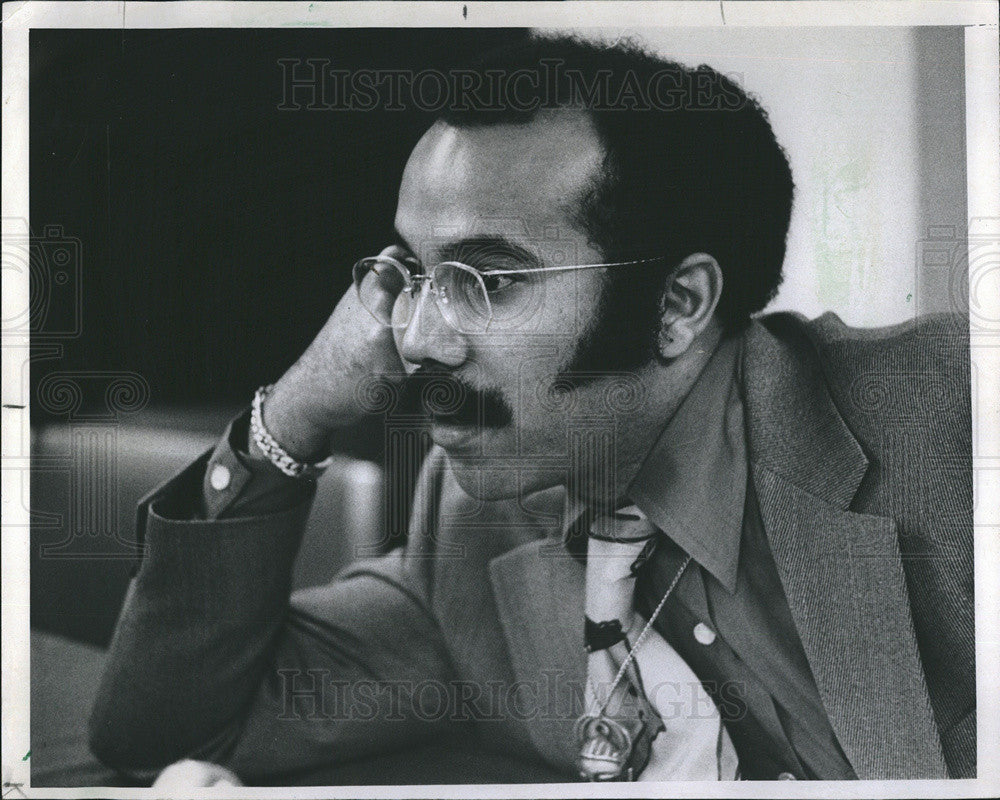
x=656 y=536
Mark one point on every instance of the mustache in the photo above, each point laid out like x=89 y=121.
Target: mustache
x=444 y=396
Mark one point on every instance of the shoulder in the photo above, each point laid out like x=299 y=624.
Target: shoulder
x=914 y=369
x=918 y=340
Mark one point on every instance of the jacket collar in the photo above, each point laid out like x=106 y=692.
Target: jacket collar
x=793 y=427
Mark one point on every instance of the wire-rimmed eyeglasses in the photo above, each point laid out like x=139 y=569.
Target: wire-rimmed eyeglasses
x=387 y=289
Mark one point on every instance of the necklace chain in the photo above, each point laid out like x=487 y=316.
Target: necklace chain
x=642 y=635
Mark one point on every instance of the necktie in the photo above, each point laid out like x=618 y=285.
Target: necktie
x=648 y=716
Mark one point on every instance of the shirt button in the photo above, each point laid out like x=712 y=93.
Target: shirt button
x=703 y=634
x=220 y=477
x=786 y=776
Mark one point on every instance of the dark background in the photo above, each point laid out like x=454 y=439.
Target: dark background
x=217 y=232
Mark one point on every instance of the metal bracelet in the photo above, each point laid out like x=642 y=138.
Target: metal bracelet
x=275 y=453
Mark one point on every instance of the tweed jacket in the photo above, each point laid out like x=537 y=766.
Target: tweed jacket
x=859 y=447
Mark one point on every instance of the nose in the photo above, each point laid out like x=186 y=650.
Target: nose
x=429 y=338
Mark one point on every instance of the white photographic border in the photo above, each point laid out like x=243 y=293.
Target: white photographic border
x=983 y=154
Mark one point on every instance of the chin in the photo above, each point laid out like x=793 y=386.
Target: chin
x=481 y=482
x=490 y=485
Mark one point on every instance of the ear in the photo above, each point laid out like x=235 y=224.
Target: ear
x=688 y=302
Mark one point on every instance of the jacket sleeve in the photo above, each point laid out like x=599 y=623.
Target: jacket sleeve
x=212 y=660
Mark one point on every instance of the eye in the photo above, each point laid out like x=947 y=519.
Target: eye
x=497 y=283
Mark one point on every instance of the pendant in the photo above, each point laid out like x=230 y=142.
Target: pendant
x=605 y=748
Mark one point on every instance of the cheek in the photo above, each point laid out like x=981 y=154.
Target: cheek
x=532 y=390
x=571 y=305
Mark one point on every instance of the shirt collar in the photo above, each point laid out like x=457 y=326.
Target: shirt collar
x=692 y=485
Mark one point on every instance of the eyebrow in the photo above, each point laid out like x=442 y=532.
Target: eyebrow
x=487 y=243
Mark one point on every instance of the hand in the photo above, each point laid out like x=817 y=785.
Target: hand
x=319 y=394
x=186 y=774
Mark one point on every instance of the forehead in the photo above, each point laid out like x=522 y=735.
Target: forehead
x=521 y=180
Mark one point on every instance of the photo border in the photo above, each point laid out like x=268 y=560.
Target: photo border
x=983 y=155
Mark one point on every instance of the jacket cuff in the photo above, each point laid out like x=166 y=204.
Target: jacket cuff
x=223 y=483
x=237 y=485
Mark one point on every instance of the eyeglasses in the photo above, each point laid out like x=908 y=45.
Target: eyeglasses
x=466 y=297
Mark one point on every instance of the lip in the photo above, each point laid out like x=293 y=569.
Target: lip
x=453 y=435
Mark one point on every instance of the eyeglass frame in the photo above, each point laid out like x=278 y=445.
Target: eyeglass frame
x=414 y=280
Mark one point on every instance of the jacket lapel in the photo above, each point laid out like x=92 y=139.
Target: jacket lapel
x=841 y=570
x=539 y=593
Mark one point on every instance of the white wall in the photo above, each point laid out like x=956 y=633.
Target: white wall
x=847 y=105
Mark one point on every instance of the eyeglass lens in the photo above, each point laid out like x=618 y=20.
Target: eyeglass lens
x=460 y=294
